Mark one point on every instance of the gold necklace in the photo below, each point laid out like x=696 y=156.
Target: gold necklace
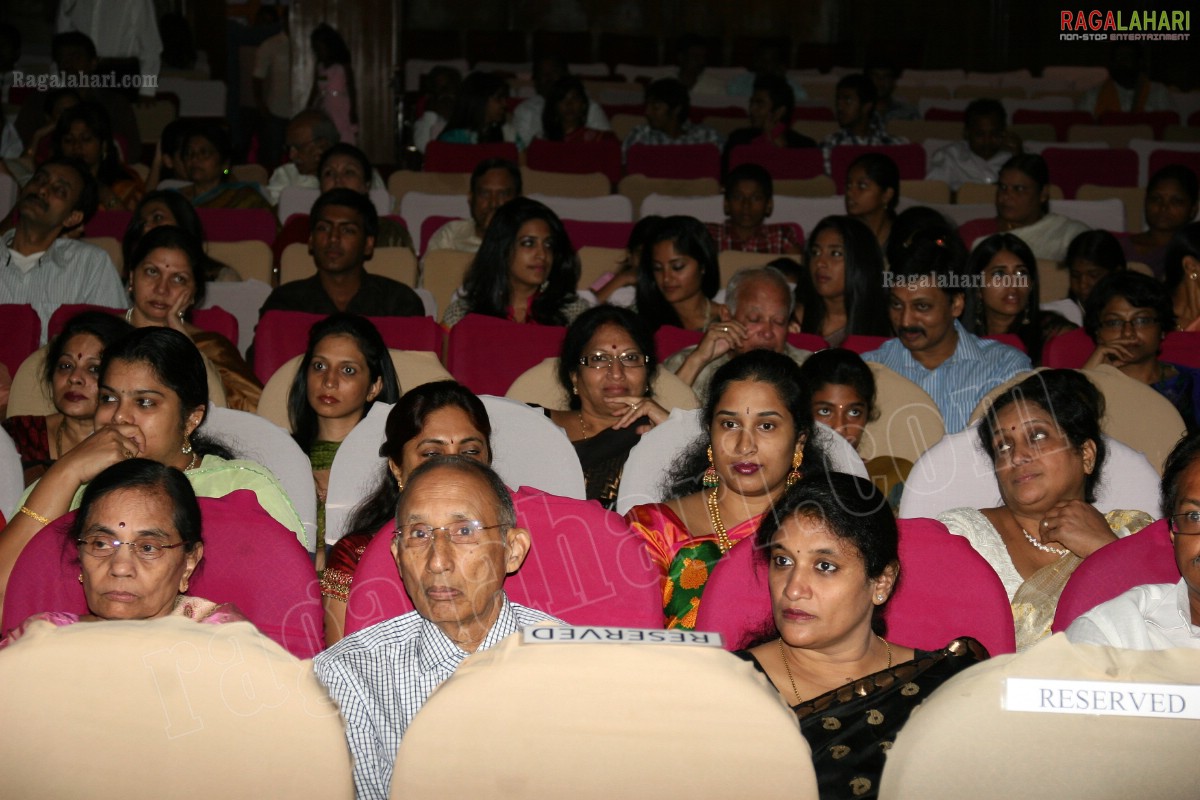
x=788 y=669
x=582 y=424
x=714 y=516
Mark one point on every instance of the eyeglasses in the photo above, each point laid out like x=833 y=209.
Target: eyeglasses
x=1138 y=323
x=630 y=360
x=145 y=548
x=1187 y=523
x=418 y=535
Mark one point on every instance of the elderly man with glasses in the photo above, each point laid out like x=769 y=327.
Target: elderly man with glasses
x=456 y=539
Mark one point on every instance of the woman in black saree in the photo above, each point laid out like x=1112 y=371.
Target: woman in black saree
x=832 y=556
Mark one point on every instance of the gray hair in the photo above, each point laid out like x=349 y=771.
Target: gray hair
x=769 y=274
x=505 y=511
x=322 y=125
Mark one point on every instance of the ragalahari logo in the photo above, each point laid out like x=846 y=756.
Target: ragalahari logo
x=1099 y=25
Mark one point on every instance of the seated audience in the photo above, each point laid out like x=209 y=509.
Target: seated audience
x=1181 y=276
x=887 y=106
x=1171 y=202
x=381 y=676
x=872 y=194
x=345 y=369
x=167 y=163
x=831 y=554
x=528 y=117
x=842 y=291
x=308 y=136
x=770 y=61
x=914 y=225
x=730 y=479
x=1023 y=209
x=1165 y=615
x=1003 y=295
x=439 y=87
x=207 y=154
x=691 y=56
x=772 y=104
x=153 y=402
x=667 y=107
x=494 y=182
x=42 y=267
x=69 y=375
x=344 y=226
x=619 y=288
x=758 y=305
x=607 y=368
x=854 y=110
x=1128 y=87
x=986 y=145
x=480 y=113
x=565 y=117
x=84 y=132
x=1090 y=256
x=165 y=278
x=151 y=509
x=442 y=418
x=749 y=200
x=678 y=275
x=164 y=207
x=41 y=143
x=1043 y=436
x=1127 y=315
x=932 y=348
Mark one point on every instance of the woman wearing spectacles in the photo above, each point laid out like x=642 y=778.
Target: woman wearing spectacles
x=138 y=537
x=607 y=368
x=525 y=271
x=1159 y=616
x=1127 y=315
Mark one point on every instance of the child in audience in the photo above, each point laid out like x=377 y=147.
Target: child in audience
x=872 y=193
x=749 y=200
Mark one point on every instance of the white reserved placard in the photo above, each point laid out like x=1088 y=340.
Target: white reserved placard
x=1104 y=698
x=544 y=634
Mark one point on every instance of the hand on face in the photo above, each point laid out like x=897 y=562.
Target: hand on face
x=107 y=446
x=720 y=338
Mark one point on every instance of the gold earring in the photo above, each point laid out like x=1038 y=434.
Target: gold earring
x=711 y=479
x=795 y=474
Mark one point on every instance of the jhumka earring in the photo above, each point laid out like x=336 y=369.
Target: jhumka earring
x=711 y=479
x=796 y=474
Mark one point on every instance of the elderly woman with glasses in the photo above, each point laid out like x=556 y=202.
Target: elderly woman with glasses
x=1159 y=616
x=138 y=536
x=606 y=368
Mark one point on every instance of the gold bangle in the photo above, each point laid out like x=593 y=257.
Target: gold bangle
x=30 y=513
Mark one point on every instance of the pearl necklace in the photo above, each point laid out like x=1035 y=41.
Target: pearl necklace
x=787 y=668
x=714 y=516
x=1045 y=548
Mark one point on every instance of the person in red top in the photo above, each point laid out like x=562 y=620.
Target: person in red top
x=749 y=200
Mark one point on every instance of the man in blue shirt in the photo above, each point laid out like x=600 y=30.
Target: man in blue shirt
x=931 y=348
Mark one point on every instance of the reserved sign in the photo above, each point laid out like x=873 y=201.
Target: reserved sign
x=1106 y=698
x=543 y=634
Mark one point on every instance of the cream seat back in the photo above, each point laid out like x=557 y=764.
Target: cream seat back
x=909 y=422
x=539 y=385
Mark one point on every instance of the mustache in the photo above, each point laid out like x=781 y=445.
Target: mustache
x=911 y=329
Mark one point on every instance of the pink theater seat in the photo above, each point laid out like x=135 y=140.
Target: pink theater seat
x=108 y=223
x=807 y=341
x=217 y=320
x=238 y=224
x=429 y=227
x=737 y=600
x=909 y=158
x=1059 y=120
x=669 y=340
x=813 y=113
x=282 y=335
x=1145 y=557
x=58 y=319
x=678 y=161
x=1068 y=350
x=976 y=229
x=447 y=157
x=584 y=567
x=946 y=590
x=22 y=334
x=1165 y=156
x=783 y=163
x=250 y=560
x=1158 y=120
x=576 y=158
x=1071 y=168
x=487 y=354
x=1182 y=347
x=1010 y=339
x=863 y=344
x=583 y=233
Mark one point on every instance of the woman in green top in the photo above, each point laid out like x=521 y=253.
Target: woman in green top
x=344 y=370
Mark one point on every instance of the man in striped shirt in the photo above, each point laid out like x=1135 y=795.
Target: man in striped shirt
x=41 y=267
x=931 y=348
x=456 y=540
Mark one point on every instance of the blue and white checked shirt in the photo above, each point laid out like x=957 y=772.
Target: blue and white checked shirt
x=382 y=675
x=960 y=382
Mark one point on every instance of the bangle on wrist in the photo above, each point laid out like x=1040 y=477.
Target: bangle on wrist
x=31 y=513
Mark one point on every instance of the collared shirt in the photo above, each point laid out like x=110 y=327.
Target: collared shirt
x=527 y=119
x=457 y=234
x=957 y=164
x=691 y=134
x=68 y=272
x=957 y=384
x=1156 y=616
x=378 y=296
x=288 y=174
x=876 y=135
x=381 y=676
x=768 y=239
